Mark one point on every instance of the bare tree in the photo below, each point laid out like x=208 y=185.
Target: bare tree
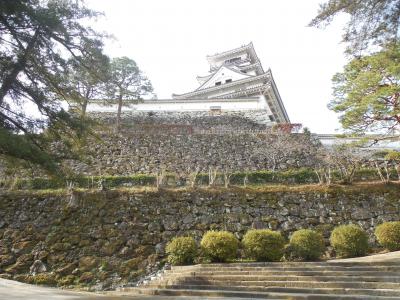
x=347 y=158
x=383 y=170
x=323 y=166
x=280 y=145
x=212 y=175
x=394 y=157
x=384 y=162
x=246 y=178
x=160 y=177
x=344 y=159
x=191 y=176
x=227 y=177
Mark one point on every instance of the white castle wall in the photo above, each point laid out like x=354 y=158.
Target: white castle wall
x=185 y=105
x=222 y=75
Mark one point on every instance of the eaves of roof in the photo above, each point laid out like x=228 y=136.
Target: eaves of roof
x=233 y=83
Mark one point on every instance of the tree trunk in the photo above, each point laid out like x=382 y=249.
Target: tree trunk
x=119 y=112
x=328 y=176
x=245 y=180
x=84 y=106
x=397 y=167
x=378 y=169
x=320 y=177
x=19 y=66
x=85 y=103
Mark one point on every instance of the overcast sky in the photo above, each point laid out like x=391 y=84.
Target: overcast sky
x=170 y=40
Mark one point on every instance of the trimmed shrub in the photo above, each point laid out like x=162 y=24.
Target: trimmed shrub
x=263 y=245
x=219 y=246
x=181 y=250
x=307 y=244
x=388 y=235
x=349 y=241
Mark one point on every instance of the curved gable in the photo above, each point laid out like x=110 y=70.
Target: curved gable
x=222 y=76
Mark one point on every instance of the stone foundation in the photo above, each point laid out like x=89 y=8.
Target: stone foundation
x=103 y=239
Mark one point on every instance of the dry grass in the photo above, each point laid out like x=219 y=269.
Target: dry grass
x=270 y=188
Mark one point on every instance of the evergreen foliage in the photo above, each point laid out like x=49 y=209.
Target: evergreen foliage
x=388 y=235
x=181 y=251
x=307 y=244
x=126 y=81
x=349 y=241
x=367 y=92
x=372 y=22
x=84 y=83
x=219 y=246
x=263 y=244
x=38 y=39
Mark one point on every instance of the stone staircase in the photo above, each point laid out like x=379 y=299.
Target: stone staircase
x=290 y=280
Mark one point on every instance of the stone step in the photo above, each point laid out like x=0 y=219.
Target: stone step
x=287 y=280
x=285 y=264
x=252 y=295
x=294 y=284
x=277 y=272
x=280 y=277
x=304 y=290
x=291 y=268
x=284 y=267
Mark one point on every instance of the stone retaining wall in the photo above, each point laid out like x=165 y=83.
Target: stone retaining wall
x=131 y=153
x=102 y=239
x=200 y=120
x=180 y=142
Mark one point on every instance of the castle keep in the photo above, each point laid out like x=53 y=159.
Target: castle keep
x=238 y=74
x=236 y=82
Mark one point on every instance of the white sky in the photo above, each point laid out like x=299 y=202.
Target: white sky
x=170 y=40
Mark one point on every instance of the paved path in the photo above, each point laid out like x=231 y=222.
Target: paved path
x=389 y=257
x=13 y=290
x=16 y=290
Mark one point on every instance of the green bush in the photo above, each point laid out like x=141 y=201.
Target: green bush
x=388 y=235
x=219 y=246
x=292 y=176
x=349 y=241
x=307 y=244
x=85 y=182
x=181 y=251
x=301 y=175
x=263 y=244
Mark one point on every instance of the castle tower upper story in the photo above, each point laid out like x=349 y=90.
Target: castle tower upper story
x=238 y=73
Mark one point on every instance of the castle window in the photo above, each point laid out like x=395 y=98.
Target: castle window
x=215 y=109
x=228 y=80
x=218 y=83
x=232 y=60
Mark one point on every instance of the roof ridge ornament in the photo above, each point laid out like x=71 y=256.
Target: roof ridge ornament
x=232 y=50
